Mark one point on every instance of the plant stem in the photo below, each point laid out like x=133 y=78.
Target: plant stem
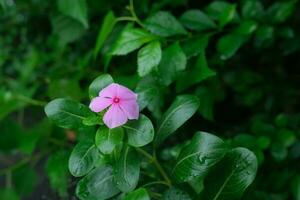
x=30 y=101
x=131 y=9
x=156 y=183
x=15 y=166
x=154 y=160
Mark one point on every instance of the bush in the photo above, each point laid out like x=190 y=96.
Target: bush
x=217 y=97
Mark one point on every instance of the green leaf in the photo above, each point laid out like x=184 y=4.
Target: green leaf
x=76 y=9
x=222 y=11
x=25 y=180
x=207 y=101
x=57 y=172
x=130 y=40
x=83 y=158
x=280 y=11
x=67 y=113
x=98 y=184
x=164 y=24
x=98 y=84
x=107 y=139
x=8 y=194
x=106 y=28
x=230 y=178
x=93 y=120
x=229 y=44
x=148 y=58
x=140 y=132
x=252 y=9
x=66 y=28
x=246 y=27
x=175 y=194
x=71 y=89
x=197 y=20
x=296 y=187
x=173 y=61
x=127 y=170
x=139 y=194
x=198 y=157
x=182 y=109
x=195 y=75
x=194 y=46
x=149 y=93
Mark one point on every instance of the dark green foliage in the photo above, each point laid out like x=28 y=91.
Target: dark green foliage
x=217 y=84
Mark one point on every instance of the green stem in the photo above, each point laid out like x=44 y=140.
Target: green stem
x=131 y=9
x=30 y=101
x=154 y=160
x=156 y=183
x=15 y=166
x=126 y=18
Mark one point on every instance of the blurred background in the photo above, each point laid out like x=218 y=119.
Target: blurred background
x=47 y=52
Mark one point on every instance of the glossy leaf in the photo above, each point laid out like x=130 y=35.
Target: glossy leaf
x=98 y=184
x=67 y=113
x=182 y=109
x=139 y=132
x=164 y=24
x=198 y=73
x=246 y=27
x=229 y=44
x=98 y=84
x=83 y=158
x=139 y=194
x=175 y=194
x=148 y=58
x=108 y=24
x=198 y=157
x=107 y=139
x=77 y=9
x=230 y=178
x=127 y=170
x=173 y=61
x=130 y=40
x=197 y=20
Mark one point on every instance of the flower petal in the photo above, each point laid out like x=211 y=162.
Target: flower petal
x=130 y=108
x=114 y=117
x=125 y=93
x=99 y=103
x=109 y=91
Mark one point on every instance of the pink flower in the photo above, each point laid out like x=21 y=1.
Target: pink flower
x=122 y=102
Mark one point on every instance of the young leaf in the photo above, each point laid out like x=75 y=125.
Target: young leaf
x=148 y=58
x=130 y=40
x=182 y=109
x=127 y=170
x=173 y=61
x=107 y=139
x=230 y=178
x=76 y=9
x=98 y=84
x=195 y=75
x=67 y=113
x=164 y=24
x=197 y=20
x=106 y=28
x=229 y=44
x=176 y=194
x=140 y=132
x=98 y=184
x=198 y=157
x=83 y=158
x=57 y=171
x=139 y=194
